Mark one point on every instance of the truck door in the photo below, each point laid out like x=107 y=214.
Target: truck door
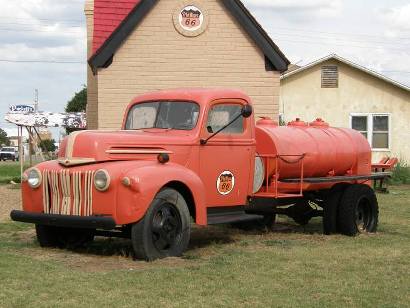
x=227 y=159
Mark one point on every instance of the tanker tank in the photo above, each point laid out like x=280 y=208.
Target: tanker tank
x=324 y=150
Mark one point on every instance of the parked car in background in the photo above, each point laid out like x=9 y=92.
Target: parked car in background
x=9 y=153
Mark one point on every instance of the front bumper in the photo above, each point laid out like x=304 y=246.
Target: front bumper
x=88 y=222
x=7 y=156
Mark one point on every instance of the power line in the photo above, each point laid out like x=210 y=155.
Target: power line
x=83 y=62
x=41 y=30
x=43 y=24
x=43 y=61
x=343 y=45
x=347 y=40
x=81 y=21
x=340 y=33
x=396 y=72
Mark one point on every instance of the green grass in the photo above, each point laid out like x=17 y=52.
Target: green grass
x=9 y=171
x=292 y=267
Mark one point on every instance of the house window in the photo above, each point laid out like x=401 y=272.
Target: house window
x=374 y=127
x=330 y=76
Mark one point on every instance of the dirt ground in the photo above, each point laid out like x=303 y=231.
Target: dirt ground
x=10 y=199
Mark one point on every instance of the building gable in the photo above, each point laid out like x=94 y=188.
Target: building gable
x=104 y=50
x=337 y=59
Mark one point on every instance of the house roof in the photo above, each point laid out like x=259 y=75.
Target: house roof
x=115 y=20
x=108 y=15
x=349 y=63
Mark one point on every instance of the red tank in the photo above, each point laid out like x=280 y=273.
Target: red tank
x=325 y=150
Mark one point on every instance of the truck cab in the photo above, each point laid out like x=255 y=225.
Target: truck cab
x=9 y=153
x=181 y=155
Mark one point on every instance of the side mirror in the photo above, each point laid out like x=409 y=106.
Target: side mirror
x=247 y=111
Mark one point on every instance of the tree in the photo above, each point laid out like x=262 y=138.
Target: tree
x=48 y=145
x=77 y=104
x=4 y=140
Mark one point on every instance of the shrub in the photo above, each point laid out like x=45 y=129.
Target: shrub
x=401 y=173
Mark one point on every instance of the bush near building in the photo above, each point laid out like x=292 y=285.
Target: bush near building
x=401 y=173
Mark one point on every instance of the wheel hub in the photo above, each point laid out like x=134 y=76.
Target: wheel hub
x=166 y=227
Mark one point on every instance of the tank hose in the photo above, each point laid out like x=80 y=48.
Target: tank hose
x=294 y=161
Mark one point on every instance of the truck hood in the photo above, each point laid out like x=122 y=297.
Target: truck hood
x=87 y=147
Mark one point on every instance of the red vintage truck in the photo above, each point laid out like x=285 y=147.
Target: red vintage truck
x=197 y=154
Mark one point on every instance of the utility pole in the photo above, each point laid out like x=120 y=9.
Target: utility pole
x=36 y=100
x=30 y=132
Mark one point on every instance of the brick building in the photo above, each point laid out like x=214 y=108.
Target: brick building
x=137 y=46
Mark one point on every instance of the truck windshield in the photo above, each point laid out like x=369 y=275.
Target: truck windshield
x=8 y=149
x=164 y=115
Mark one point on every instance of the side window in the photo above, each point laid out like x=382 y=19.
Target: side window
x=359 y=123
x=380 y=137
x=221 y=115
x=375 y=128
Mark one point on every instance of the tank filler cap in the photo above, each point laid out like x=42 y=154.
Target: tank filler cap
x=319 y=123
x=267 y=121
x=298 y=122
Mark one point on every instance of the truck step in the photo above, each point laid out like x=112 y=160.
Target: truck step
x=225 y=218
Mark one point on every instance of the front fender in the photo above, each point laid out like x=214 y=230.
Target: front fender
x=147 y=180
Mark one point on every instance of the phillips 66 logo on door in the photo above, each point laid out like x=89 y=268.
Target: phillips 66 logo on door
x=225 y=183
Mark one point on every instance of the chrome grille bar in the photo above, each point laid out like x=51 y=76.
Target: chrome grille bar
x=68 y=193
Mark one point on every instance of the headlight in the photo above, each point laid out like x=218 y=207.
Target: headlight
x=34 y=178
x=101 y=180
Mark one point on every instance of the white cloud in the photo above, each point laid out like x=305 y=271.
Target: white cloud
x=315 y=7
x=398 y=18
x=41 y=30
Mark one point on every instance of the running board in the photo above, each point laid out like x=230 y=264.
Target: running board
x=218 y=216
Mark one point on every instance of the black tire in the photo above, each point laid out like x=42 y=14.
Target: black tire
x=330 y=208
x=165 y=229
x=49 y=236
x=358 y=210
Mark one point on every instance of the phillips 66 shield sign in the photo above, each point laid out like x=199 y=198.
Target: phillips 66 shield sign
x=191 y=18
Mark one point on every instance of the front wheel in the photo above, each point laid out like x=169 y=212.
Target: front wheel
x=165 y=229
x=358 y=210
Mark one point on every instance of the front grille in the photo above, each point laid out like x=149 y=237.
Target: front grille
x=68 y=193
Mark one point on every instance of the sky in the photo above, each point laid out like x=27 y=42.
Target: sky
x=43 y=42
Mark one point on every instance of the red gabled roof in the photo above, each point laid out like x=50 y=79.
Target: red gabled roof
x=108 y=15
x=114 y=20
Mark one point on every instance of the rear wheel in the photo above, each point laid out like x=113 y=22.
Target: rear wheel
x=165 y=229
x=330 y=208
x=358 y=211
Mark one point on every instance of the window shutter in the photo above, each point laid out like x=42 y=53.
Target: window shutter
x=330 y=76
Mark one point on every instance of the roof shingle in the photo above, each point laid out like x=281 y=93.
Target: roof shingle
x=108 y=15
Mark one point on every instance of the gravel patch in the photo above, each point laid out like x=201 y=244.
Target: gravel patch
x=10 y=199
